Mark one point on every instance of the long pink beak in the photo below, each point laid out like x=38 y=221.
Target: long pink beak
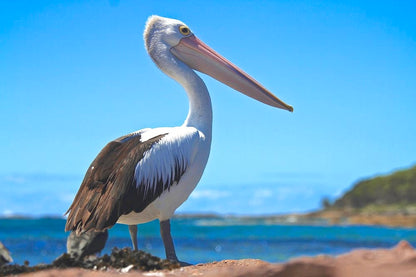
x=201 y=57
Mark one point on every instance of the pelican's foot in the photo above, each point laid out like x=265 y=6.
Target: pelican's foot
x=182 y=264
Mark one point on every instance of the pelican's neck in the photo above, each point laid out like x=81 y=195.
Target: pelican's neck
x=200 y=108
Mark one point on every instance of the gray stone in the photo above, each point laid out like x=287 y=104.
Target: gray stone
x=88 y=243
x=5 y=257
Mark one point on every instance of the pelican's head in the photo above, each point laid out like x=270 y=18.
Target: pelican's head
x=164 y=32
x=168 y=39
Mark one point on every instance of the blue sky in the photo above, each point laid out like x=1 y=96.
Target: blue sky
x=75 y=75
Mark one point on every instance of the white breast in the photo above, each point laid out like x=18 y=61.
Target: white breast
x=188 y=145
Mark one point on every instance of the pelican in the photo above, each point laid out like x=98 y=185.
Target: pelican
x=148 y=174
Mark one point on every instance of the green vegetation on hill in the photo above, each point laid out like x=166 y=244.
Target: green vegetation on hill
x=396 y=189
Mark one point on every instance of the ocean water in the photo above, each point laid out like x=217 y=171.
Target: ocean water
x=206 y=239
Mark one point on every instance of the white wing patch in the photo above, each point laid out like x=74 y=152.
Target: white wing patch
x=136 y=133
x=168 y=158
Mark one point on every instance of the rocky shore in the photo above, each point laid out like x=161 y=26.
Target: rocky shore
x=398 y=261
x=353 y=217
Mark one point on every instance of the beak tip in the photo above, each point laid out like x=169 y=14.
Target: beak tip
x=286 y=107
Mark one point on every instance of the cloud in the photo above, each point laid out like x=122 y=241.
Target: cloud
x=209 y=194
x=37 y=194
x=254 y=198
x=7 y=213
x=260 y=196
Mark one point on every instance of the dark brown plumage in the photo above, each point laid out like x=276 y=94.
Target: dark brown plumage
x=108 y=189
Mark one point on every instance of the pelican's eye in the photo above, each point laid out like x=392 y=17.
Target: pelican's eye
x=184 y=30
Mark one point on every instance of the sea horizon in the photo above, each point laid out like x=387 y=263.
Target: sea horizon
x=208 y=238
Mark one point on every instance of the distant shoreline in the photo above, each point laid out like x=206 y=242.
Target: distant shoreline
x=323 y=217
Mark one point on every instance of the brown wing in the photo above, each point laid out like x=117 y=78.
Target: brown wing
x=108 y=189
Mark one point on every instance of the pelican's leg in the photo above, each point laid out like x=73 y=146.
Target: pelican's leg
x=167 y=240
x=133 y=236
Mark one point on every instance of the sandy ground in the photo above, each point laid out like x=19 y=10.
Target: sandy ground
x=399 y=261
